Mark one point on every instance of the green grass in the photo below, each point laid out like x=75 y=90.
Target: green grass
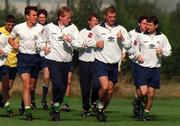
x=119 y=112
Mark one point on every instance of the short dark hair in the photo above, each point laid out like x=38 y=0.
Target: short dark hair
x=42 y=11
x=10 y=18
x=141 y=18
x=110 y=9
x=93 y=15
x=152 y=19
x=28 y=9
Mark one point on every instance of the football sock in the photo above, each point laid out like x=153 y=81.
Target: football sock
x=1 y=101
x=66 y=100
x=27 y=110
x=146 y=113
x=8 y=107
x=56 y=107
x=32 y=96
x=45 y=92
x=140 y=99
x=22 y=103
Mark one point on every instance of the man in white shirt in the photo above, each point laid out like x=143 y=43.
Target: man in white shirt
x=9 y=68
x=115 y=37
x=28 y=57
x=142 y=26
x=5 y=49
x=58 y=35
x=88 y=79
x=150 y=47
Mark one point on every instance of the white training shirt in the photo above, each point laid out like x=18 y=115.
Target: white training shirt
x=27 y=37
x=60 y=50
x=146 y=45
x=41 y=44
x=4 y=44
x=111 y=52
x=133 y=35
x=5 y=47
x=87 y=53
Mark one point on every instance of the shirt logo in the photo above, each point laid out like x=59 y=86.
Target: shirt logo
x=111 y=38
x=152 y=46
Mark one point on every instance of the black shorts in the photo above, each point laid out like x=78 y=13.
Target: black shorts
x=10 y=71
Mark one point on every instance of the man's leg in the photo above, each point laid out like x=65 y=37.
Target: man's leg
x=85 y=84
x=32 y=92
x=26 y=80
x=59 y=75
x=95 y=89
x=103 y=97
x=149 y=102
x=22 y=107
x=45 y=86
x=141 y=100
x=5 y=87
x=1 y=101
x=110 y=92
x=5 y=91
x=65 y=106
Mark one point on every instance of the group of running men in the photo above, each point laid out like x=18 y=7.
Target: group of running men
x=49 y=47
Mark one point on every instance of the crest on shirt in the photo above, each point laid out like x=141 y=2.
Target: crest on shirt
x=152 y=46
x=90 y=35
x=111 y=38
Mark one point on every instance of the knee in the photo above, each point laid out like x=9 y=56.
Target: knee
x=46 y=80
x=27 y=88
x=104 y=88
x=143 y=91
x=110 y=90
x=150 y=95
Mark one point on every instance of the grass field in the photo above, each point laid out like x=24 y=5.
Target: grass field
x=164 y=113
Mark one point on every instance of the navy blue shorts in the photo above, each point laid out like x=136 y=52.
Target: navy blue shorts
x=109 y=70
x=29 y=63
x=146 y=76
x=44 y=62
x=10 y=71
x=70 y=65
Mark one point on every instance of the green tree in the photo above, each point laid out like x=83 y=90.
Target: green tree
x=81 y=14
x=173 y=30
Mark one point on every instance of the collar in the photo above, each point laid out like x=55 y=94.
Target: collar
x=56 y=23
x=138 y=29
x=157 y=32
x=103 y=24
x=88 y=28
